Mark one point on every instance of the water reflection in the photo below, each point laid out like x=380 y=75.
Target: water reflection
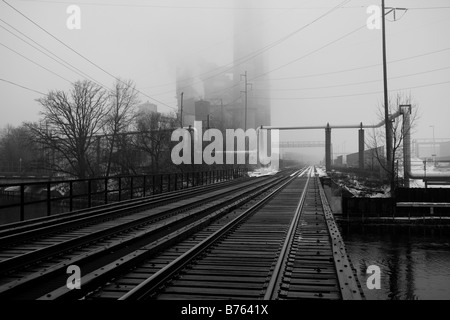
x=393 y=266
x=409 y=273
x=414 y=261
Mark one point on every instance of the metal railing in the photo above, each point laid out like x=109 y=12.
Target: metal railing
x=430 y=205
x=58 y=196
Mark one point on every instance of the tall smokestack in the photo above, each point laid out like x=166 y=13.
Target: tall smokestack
x=248 y=39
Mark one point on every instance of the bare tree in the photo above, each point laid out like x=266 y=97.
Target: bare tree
x=123 y=99
x=154 y=131
x=129 y=156
x=378 y=138
x=71 y=120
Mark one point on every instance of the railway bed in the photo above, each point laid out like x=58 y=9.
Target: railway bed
x=271 y=238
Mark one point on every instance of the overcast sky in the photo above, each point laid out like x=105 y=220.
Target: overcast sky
x=311 y=72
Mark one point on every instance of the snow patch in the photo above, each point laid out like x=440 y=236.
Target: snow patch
x=321 y=171
x=262 y=172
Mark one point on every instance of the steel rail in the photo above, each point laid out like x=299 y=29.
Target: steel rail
x=99 y=277
x=163 y=275
x=16 y=227
x=101 y=215
x=347 y=282
x=39 y=254
x=83 y=258
x=271 y=291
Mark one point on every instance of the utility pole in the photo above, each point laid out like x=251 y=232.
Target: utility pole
x=222 y=115
x=388 y=124
x=221 y=111
x=386 y=98
x=181 y=108
x=246 y=84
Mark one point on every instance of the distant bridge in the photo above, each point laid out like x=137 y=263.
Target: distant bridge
x=301 y=144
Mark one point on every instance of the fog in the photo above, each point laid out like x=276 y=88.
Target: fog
x=316 y=66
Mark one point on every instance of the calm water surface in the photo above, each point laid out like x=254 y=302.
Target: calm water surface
x=414 y=261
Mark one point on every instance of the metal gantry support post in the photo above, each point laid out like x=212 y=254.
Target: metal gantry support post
x=328 y=147
x=361 y=147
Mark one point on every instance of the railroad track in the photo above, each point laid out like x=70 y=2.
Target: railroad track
x=280 y=248
x=21 y=239
x=238 y=261
x=37 y=225
x=314 y=263
x=126 y=282
x=35 y=259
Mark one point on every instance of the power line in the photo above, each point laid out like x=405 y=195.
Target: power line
x=237 y=62
x=202 y=50
x=363 y=82
x=79 y=54
x=310 y=53
x=422 y=86
x=357 y=68
x=297 y=59
x=227 y=89
x=344 y=70
x=427 y=8
x=211 y=7
x=63 y=63
x=234 y=100
x=18 y=85
x=356 y=94
x=246 y=58
x=32 y=61
x=284 y=38
x=183 y=7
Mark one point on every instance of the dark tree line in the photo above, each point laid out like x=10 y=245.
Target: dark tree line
x=90 y=132
x=17 y=151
